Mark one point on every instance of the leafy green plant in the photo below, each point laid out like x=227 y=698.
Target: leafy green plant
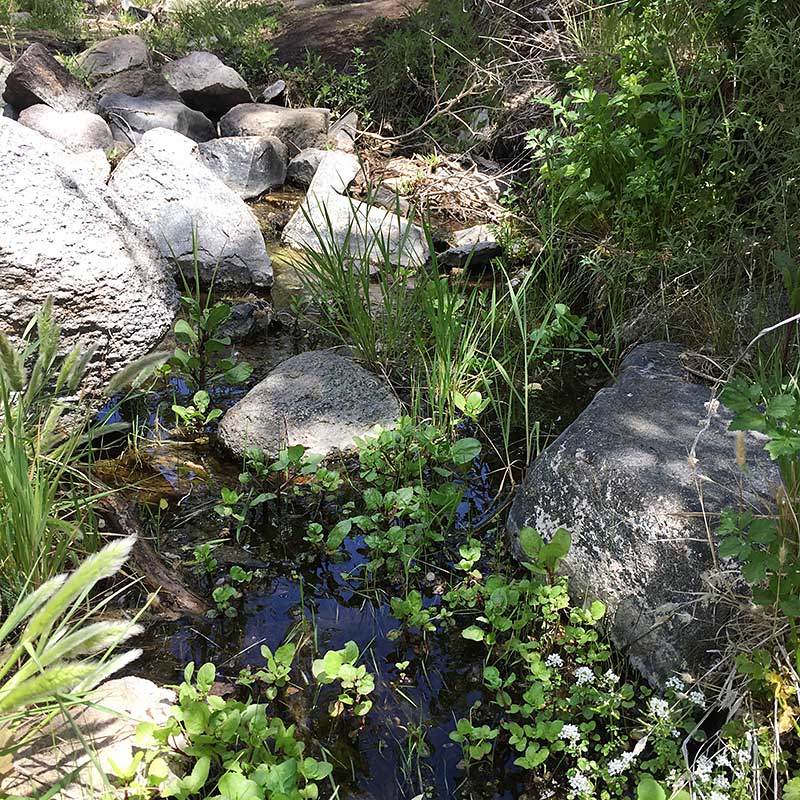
x=275 y=674
x=232 y=749
x=224 y=598
x=355 y=683
x=197 y=416
x=204 y=557
x=476 y=740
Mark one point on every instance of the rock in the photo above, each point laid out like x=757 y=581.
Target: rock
x=38 y=78
x=343 y=132
x=78 y=131
x=619 y=479
x=19 y=19
x=248 y=321
x=137 y=12
x=274 y=94
x=473 y=247
x=206 y=84
x=164 y=180
x=63 y=234
x=5 y=68
x=131 y=117
x=112 y=56
x=317 y=399
x=250 y=165
x=303 y=167
x=297 y=128
x=386 y=198
x=357 y=229
x=138 y=83
x=108 y=723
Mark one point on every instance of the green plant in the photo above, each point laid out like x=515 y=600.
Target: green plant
x=476 y=740
x=197 y=416
x=275 y=674
x=231 y=749
x=63 y=15
x=60 y=654
x=224 y=598
x=204 y=556
x=355 y=683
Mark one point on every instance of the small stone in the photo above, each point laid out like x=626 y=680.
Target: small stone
x=303 y=167
x=19 y=19
x=274 y=94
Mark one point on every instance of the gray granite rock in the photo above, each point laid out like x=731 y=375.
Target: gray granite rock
x=621 y=480
x=138 y=83
x=164 y=180
x=78 y=131
x=37 y=77
x=131 y=117
x=250 y=165
x=473 y=247
x=112 y=56
x=303 y=167
x=64 y=234
x=318 y=399
x=297 y=128
x=206 y=84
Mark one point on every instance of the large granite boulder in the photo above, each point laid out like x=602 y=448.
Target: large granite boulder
x=359 y=231
x=37 y=77
x=63 y=234
x=137 y=83
x=206 y=84
x=250 y=165
x=5 y=67
x=78 y=131
x=112 y=56
x=317 y=399
x=107 y=722
x=639 y=479
x=131 y=117
x=297 y=128
x=164 y=180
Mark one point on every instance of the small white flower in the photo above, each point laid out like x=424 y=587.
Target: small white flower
x=716 y=795
x=675 y=733
x=723 y=760
x=619 y=765
x=676 y=684
x=611 y=677
x=584 y=675
x=570 y=733
x=580 y=784
x=721 y=782
x=554 y=660
x=658 y=708
x=703 y=768
x=698 y=698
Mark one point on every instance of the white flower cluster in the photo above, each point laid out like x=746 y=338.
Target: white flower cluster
x=611 y=677
x=554 y=661
x=619 y=765
x=583 y=676
x=703 y=768
x=570 y=733
x=658 y=707
x=698 y=698
x=580 y=785
x=676 y=684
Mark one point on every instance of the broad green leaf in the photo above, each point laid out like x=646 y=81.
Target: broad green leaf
x=649 y=789
x=465 y=451
x=473 y=633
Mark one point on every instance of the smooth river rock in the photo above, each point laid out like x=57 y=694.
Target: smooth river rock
x=138 y=83
x=131 y=117
x=297 y=128
x=63 y=234
x=318 y=399
x=112 y=56
x=249 y=165
x=206 y=84
x=621 y=481
x=164 y=180
x=78 y=131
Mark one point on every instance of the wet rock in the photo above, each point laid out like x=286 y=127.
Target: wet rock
x=297 y=128
x=473 y=247
x=343 y=132
x=248 y=322
x=107 y=279
x=138 y=83
x=131 y=117
x=620 y=480
x=317 y=399
x=249 y=165
x=274 y=94
x=78 y=131
x=37 y=77
x=303 y=167
x=365 y=232
x=108 y=724
x=164 y=180
x=112 y=56
x=206 y=84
